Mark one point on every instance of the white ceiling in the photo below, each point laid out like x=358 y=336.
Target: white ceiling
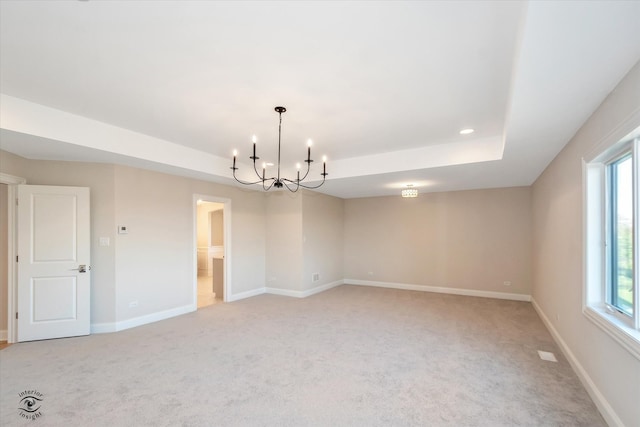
x=383 y=88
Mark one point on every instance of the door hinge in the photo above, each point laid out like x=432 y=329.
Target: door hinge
x=16 y=258
x=16 y=314
x=17 y=202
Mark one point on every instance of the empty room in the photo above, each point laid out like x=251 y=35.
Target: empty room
x=340 y=213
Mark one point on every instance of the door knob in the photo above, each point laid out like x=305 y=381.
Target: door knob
x=82 y=268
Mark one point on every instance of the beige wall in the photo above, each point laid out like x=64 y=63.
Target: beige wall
x=202 y=226
x=322 y=237
x=12 y=164
x=209 y=224
x=154 y=261
x=216 y=221
x=558 y=253
x=304 y=236
x=284 y=240
x=465 y=239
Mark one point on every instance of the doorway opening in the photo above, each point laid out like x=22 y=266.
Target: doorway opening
x=212 y=220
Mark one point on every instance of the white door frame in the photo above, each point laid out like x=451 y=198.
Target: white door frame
x=12 y=290
x=226 y=219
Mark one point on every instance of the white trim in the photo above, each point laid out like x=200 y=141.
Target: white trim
x=11 y=180
x=283 y=292
x=247 y=294
x=5 y=178
x=304 y=294
x=595 y=232
x=598 y=398
x=322 y=288
x=621 y=131
x=3 y=335
x=100 y=328
x=620 y=331
x=440 y=290
x=103 y=328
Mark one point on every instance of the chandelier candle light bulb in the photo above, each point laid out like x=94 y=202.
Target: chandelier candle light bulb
x=278 y=181
x=254 y=139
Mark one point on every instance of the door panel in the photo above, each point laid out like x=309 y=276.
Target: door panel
x=53 y=248
x=54 y=298
x=54 y=227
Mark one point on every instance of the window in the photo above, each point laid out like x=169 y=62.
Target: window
x=612 y=234
x=620 y=248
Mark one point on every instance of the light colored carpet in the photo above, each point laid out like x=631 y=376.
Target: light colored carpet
x=350 y=356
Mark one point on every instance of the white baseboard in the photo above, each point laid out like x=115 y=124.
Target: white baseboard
x=100 y=328
x=598 y=398
x=440 y=290
x=321 y=288
x=304 y=294
x=247 y=294
x=283 y=292
x=3 y=335
x=103 y=328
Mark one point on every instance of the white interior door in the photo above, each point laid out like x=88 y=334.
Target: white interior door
x=53 y=262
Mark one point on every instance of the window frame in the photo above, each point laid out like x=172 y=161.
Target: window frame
x=623 y=328
x=628 y=149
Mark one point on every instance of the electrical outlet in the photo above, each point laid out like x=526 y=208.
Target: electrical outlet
x=506 y=283
x=370 y=273
x=133 y=304
x=315 y=277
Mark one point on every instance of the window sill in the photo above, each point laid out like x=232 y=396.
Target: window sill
x=628 y=337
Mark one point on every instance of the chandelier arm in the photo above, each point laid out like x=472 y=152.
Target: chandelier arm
x=244 y=182
x=285 y=180
x=311 y=187
x=273 y=181
x=308 y=162
x=256 y=170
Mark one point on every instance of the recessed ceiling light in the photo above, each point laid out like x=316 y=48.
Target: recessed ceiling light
x=466 y=131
